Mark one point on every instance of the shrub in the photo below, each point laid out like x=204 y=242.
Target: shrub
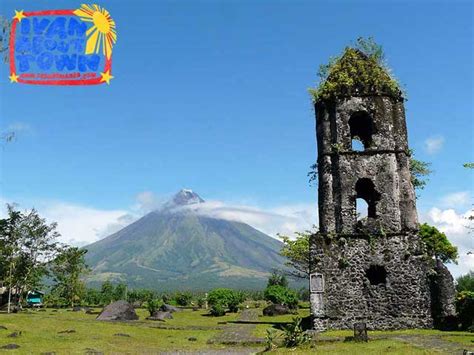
x=227 y=298
x=465 y=282
x=270 y=339
x=465 y=309
x=294 y=335
x=218 y=309
x=166 y=298
x=281 y=295
x=183 y=298
x=153 y=305
x=201 y=301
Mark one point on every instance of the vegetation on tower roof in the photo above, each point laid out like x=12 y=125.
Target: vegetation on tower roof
x=360 y=70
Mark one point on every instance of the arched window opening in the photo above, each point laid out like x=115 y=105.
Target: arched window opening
x=361 y=127
x=361 y=209
x=357 y=145
x=365 y=190
x=377 y=275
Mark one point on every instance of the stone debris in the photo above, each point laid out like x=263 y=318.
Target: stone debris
x=118 y=311
x=160 y=316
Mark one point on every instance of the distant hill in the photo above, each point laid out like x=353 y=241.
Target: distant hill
x=175 y=248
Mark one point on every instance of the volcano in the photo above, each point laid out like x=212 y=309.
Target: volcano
x=178 y=248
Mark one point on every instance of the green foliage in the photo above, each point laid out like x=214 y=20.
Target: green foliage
x=360 y=70
x=419 y=171
x=218 y=309
x=465 y=282
x=343 y=263
x=281 y=295
x=294 y=335
x=92 y=297
x=139 y=295
x=468 y=165
x=277 y=278
x=107 y=292
x=183 y=298
x=67 y=269
x=201 y=301
x=120 y=292
x=152 y=305
x=297 y=253
x=465 y=309
x=27 y=245
x=437 y=244
x=270 y=339
x=226 y=298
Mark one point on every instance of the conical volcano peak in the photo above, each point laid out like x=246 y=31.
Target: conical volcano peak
x=186 y=197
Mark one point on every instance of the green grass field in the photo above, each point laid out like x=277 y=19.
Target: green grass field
x=41 y=333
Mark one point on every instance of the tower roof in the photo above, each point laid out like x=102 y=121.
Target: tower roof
x=355 y=73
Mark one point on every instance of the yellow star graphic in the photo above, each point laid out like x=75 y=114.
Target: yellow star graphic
x=19 y=15
x=13 y=78
x=106 y=77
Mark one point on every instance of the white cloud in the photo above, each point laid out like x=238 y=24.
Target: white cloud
x=79 y=225
x=455 y=226
x=457 y=199
x=84 y=225
x=146 y=201
x=286 y=219
x=19 y=127
x=434 y=144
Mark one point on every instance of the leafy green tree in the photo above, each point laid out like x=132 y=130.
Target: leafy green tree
x=437 y=244
x=183 y=298
x=27 y=245
x=465 y=309
x=107 y=292
x=465 y=282
x=153 y=304
x=277 y=278
x=67 y=269
x=120 y=292
x=281 y=295
x=92 y=297
x=420 y=170
x=297 y=253
x=224 y=297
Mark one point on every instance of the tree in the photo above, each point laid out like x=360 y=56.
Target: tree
x=277 y=278
x=465 y=282
x=437 y=244
x=419 y=172
x=297 y=253
x=107 y=292
x=27 y=245
x=67 y=269
x=120 y=292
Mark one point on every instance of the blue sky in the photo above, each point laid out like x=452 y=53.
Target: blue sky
x=212 y=95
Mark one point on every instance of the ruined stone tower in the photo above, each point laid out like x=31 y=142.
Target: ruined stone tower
x=370 y=268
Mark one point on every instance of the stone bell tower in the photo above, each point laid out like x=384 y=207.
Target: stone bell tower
x=368 y=257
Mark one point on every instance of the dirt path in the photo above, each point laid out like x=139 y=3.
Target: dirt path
x=239 y=334
x=434 y=342
x=238 y=337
